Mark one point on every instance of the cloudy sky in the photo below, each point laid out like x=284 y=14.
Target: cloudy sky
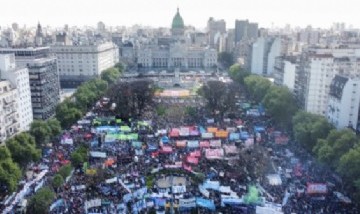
x=159 y=13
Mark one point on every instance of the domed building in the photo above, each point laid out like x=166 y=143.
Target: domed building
x=177 y=26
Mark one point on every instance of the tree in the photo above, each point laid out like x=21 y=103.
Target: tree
x=131 y=98
x=237 y=73
x=110 y=75
x=219 y=96
x=57 y=181
x=257 y=87
x=337 y=143
x=41 y=131
x=54 y=126
x=89 y=92
x=67 y=114
x=41 y=201
x=23 y=149
x=65 y=171
x=308 y=128
x=226 y=59
x=10 y=173
x=77 y=159
x=280 y=103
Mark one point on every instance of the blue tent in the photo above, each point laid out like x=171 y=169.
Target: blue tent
x=165 y=139
x=244 y=135
x=259 y=128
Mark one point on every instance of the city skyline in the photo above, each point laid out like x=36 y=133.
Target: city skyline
x=159 y=13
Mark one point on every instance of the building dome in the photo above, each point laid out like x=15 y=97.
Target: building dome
x=177 y=22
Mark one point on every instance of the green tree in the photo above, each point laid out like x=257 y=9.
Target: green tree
x=280 y=103
x=237 y=73
x=41 y=201
x=23 y=149
x=65 y=170
x=337 y=143
x=57 y=181
x=110 y=75
x=67 y=114
x=219 y=96
x=54 y=126
x=77 y=159
x=226 y=59
x=308 y=128
x=257 y=87
x=10 y=172
x=41 y=131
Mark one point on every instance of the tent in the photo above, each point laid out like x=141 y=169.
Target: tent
x=316 y=188
x=274 y=179
x=207 y=135
x=165 y=139
x=193 y=144
x=204 y=144
x=166 y=149
x=174 y=132
x=181 y=143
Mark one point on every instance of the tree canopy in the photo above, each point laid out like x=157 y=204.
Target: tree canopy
x=23 y=149
x=131 y=98
x=43 y=131
x=226 y=59
x=10 y=172
x=237 y=73
x=41 y=201
x=67 y=113
x=111 y=75
x=219 y=96
x=280 y=103
x=308 y=128
x=257 y=87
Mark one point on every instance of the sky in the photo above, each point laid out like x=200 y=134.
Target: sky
x=159 y=13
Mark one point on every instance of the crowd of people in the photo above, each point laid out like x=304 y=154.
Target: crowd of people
x=213 y=165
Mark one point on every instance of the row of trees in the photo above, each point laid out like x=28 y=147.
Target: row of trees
x=278 y=101
x=338 y=149
x=72 y=109
x=23 y=149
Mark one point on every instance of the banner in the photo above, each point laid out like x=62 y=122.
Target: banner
x=195 y=153
x=181 y=143
x=184 y=131
x=92 y=203
x=96 y=154
x=166 y=149
x=214 y=153
x=204 y=191
x=178 y=189
x=111 y=180
x=136 y=144
x=193 y=144
x=316 y=188
x=204 y=144
x=221 y=134
x=140 y=193
x=205 y=203
x=174 y=133
x=234 y=136
x=212 y=129
x=192 y=160
x=215 y=143
x=187 y=203
x=231 y=149
x=214 y=185
x=207 y=135
x=177 y=164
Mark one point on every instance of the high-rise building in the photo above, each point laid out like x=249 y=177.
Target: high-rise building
x=214 y=27
x=264 y=52
x=285 y=71
x=9 y=122
x=43 y=78
x=245 y=30
x=343 y=103
x=78 y=63
x=19 y=78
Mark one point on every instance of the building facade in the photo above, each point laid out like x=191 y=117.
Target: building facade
x=76 y=64
x=43 y=79
x=344 y=100
x=9 y=117
x=264 y=52
x=245 y=30
x=19 y=78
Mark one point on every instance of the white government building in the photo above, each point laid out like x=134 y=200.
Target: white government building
x=177 y=52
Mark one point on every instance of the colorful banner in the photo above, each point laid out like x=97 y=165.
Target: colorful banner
x=178 y=189
x=174 y=132
x=214 y=153
x=204 y=144
x=212 y=129
x=316 y=188
x=166 y=149
x=193 y=144
x=221 y=134
x=209 y=204
x=192 y=160
x=187 y=203
x=231 y=149
x=215 y=143
x=184 y=131
x=196 y=153
x=207 y=135
x=181 y=143
x=234 y=136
